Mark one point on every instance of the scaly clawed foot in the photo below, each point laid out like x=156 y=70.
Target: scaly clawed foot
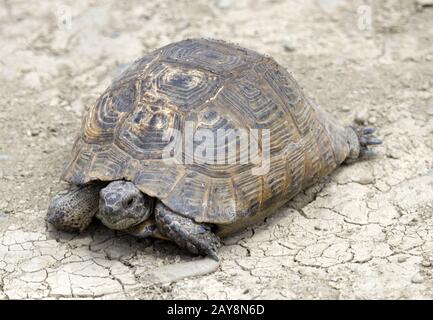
x=366 y=139
x=196 y=237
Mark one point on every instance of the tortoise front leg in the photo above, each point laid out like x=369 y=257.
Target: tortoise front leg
x=74 y=210
x=197 y=238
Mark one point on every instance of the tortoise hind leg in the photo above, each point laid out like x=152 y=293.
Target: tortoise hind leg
x=197 y=238
x=359 y=140
x=74 y=210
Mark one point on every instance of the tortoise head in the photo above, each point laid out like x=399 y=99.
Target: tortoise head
x=123 y=205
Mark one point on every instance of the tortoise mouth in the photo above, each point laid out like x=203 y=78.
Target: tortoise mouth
x=122 y=223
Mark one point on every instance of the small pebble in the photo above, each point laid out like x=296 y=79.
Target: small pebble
x=26 y=174
x=361 y=117
x=372 y=120
x=417 y=279
x=345 y=108
x=223 y=4
x=426 y=264
x=288 y=48
x=424 y=3
x=393 y=153
x=32 y=133
x=366 y=179
x=401 y=259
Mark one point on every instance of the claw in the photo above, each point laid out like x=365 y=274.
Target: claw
x=368 y=130
x=212 y=254
x=366 y=141
x=373 y=141
x=208 y=248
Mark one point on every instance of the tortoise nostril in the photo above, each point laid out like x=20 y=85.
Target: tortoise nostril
x=129 y=202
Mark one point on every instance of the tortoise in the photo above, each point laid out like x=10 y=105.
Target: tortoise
x=132 y=173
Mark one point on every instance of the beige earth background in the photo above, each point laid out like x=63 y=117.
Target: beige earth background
x=364 y=232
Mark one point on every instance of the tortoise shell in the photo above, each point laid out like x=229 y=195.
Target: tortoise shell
x=214 y=85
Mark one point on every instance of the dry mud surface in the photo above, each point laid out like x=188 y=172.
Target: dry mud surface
x=365 y=232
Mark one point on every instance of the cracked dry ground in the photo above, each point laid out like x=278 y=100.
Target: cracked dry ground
x=364 y=232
